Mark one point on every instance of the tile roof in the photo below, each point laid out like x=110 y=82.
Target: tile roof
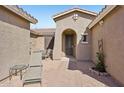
x=107 y=9
x=19 y=11
x=72 y=10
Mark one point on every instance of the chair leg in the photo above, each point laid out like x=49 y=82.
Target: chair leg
x=15 y=72
x=10 y=74
x=23 y=84
x=41 y=83
x=20 y=74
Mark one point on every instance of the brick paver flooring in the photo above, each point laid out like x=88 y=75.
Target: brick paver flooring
x=65 y=73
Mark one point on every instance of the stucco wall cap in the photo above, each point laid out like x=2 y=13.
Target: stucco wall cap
x=21 y=12
x=72 y=10
x=107 y=9
x=44 y=31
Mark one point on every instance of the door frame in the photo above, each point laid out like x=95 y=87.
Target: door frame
x=69 y=32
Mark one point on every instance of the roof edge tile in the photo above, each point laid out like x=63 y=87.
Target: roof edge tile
x=72 y=10
x=107 y=9
x=19 y=11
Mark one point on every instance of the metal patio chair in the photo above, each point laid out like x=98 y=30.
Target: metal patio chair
x=47 y=53
x=34 y=71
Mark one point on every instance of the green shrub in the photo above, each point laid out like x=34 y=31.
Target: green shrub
x=100 y=66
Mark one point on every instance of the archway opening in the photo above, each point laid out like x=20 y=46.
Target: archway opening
x=69 y=40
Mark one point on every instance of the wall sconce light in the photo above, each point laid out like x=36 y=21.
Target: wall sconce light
x=101 y=22
x=75 y=17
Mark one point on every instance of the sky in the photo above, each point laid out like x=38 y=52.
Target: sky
x=44 y=13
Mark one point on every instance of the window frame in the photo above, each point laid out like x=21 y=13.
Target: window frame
x=82 y=36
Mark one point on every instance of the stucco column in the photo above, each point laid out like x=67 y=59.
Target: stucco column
x=57 y=46
x=77 y=44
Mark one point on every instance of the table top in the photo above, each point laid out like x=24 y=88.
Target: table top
x=18 y=67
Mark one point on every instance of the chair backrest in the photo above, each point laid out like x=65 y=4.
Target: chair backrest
x=49 y=51
x=36 y=58
x=44 y=52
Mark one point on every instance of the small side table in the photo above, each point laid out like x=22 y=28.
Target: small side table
x=17 y=68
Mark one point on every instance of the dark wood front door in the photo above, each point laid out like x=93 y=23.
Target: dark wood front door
x=69 y=44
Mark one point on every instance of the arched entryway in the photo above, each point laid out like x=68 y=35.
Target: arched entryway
x=69 y=39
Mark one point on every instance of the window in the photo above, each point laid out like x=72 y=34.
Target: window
x=84 y=38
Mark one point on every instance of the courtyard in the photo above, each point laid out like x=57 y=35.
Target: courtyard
x=65 y=73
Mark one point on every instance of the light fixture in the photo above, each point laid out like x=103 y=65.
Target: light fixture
x=101 y=23
x=75 y=17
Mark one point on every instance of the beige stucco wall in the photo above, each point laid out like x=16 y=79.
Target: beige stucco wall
x=12 y=18
x=37 y=42
x=14 y=47
x=112 y=32
x=40 y=43
x=79 y=26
